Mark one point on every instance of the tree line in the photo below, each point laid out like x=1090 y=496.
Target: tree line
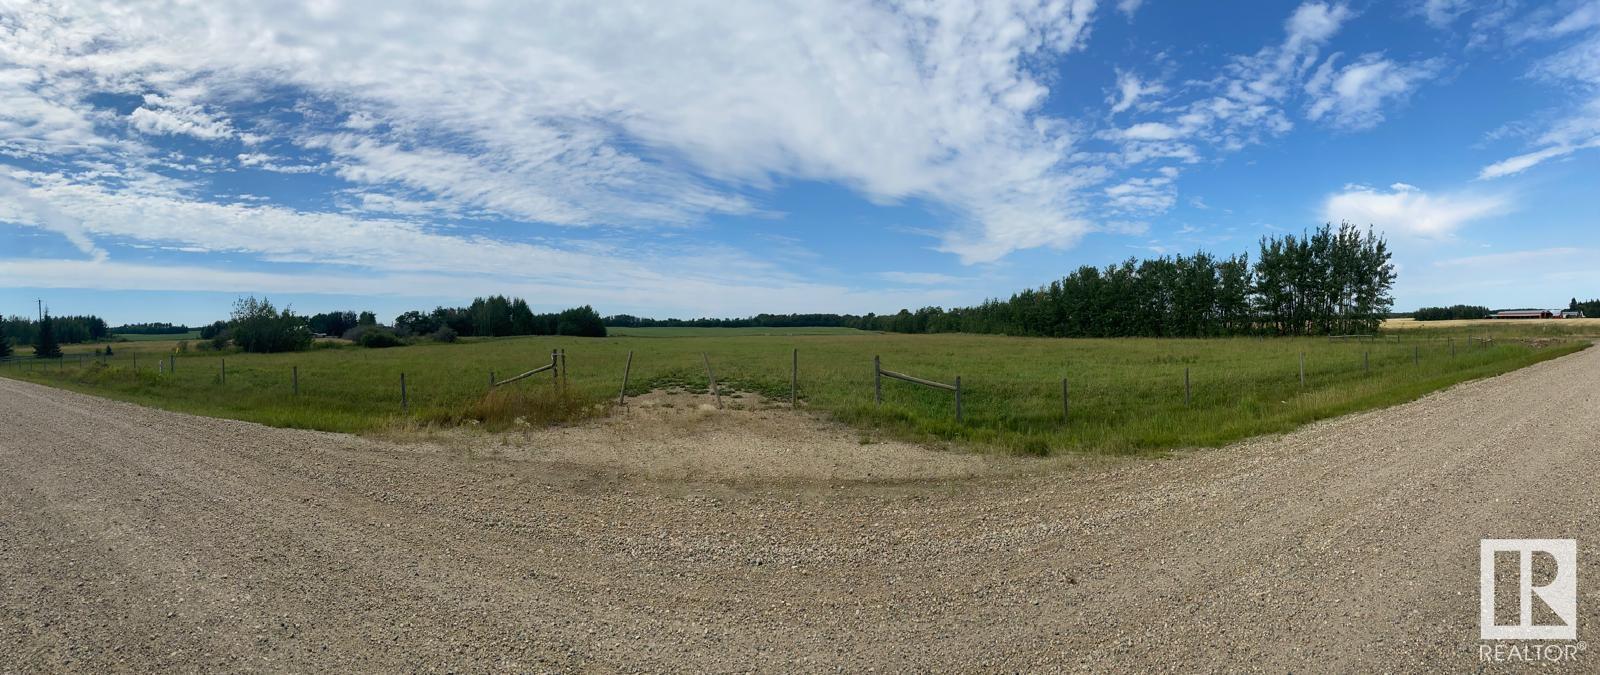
x=150 y=329
x=1333 y=280
x=64 y=329
x=1450 y=313
x=259 y=326
x=1590 y=308
x=500 y=316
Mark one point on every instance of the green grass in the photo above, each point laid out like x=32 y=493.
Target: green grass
x=1127 y=394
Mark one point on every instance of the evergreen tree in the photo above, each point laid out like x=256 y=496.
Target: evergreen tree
x=5 y=346
x=46 y=347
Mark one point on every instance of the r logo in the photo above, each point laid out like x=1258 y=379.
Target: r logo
x=1560 y=595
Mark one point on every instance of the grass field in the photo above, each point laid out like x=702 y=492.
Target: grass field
x=139 y=337
x=730 y=332
x=1127 y=395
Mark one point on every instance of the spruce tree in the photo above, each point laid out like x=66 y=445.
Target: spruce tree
x=46 y=346
x=5 y=346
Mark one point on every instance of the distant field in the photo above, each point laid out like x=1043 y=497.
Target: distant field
x=729 y=332
x=1127 y=395
x=1499 y=327
x=139 y=337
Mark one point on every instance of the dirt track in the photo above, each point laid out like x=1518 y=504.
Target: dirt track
x=139 y=539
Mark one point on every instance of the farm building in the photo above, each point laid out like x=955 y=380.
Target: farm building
x=1523 y=314
x=1571 y=314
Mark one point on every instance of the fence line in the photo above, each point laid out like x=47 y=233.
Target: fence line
x=879 y=373
x=559 y=374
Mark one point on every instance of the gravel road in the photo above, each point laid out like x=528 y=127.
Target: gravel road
x=136 y=539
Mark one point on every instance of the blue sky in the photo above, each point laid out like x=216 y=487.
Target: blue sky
x=158 y=160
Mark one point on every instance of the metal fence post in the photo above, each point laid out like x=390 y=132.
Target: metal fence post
x=794 y=379
x=1416 y=355
x=405 y=406
x=1366 y=362
x=172 y=360
x=295 y=377
x=1302 y=369
x=1186 y=397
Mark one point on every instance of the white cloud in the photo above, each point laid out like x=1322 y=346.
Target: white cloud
x=577 y=113
x=1575 y=66
x=1129 y=7
x=178 y=120
x=1442 y=13
x=266 y=162
x=1520 y=163
x=1247 y=105
x=1151 y=131
x=1353 y=97
x=1130 y=89
x=1315 y=22
x=1407 y=210
x=1143 y=195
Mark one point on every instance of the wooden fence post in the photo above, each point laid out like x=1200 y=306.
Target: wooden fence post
x=563 y=370
x=405 y=406
x=794 y=379
x=1302 y=369
x=877 y=380
x=224 y=370
x=173 y=365
x=555 y=369
x=1416 y=355
x=712 y=378
x=958 y=398
x=1186 y=397
x=622 y=398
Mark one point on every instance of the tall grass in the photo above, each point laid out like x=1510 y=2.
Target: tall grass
x=1126 y=394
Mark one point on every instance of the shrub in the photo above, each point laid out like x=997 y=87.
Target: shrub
x=257 y=326
x=581 y=322
x=444 y=334
x=379 y=338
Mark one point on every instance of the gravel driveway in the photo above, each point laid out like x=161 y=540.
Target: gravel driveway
x=133 y=538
